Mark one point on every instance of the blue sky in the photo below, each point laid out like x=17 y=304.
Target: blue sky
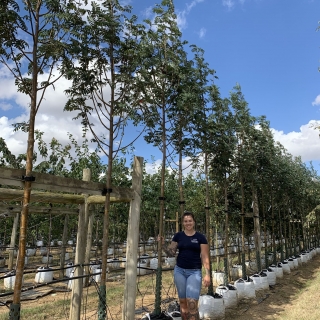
x=270 y=47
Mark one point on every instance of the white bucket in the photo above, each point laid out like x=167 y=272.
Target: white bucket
x=123 y=262
x=140 y=268
x=229 y=294
x=251 y=265
x=97 y=277
x=170 y=261
x=211 y=307
x=69 y=269
x=264 y=281
x=245 y=289
x=70 y=242
x=236 y=271
x=146 y=257
x=154 y=263
x=270 y=257
x=43 y=275
x=250 y=292
x=304 y=258
x=30 y=252
x=43 y=250
x=257 y=282
x=217 y=278
x=47 y=259
x=115 y=263
x=271 y=276
x=9 y=281
x=278 y=270
x=286 y=267
x=291 y=263
x=71 y=281
x=39 y=243
x=295 y=262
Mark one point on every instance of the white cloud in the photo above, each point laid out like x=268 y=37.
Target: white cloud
x=304 y=143
x=181 y=15
x=50 y=119
x=202 y=33
x=228 y=3
x=5 y=106
x=148 y=12
x=316 y=101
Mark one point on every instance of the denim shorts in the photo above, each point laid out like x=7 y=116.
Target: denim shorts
x=188 y=282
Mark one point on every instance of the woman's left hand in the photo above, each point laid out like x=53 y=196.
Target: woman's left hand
x=206 y=280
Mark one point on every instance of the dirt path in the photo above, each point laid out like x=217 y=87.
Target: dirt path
x=295 y=296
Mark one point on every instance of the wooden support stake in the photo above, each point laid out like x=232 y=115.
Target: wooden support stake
x=13 y=240
x=88 y=247
x=77 y=288
x=63 y=247
x=129 y=299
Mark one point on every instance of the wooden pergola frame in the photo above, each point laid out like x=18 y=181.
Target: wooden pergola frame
x=52 y=189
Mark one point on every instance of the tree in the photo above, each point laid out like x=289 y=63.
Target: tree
x=33 y=37
x=102 y=78
x=159 y=79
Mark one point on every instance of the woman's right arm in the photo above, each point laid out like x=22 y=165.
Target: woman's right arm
x=171 y=249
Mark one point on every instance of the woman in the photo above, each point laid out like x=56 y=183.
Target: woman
x=193 y=253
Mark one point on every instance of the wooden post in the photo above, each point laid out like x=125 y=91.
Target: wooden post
x=130 y=288
x=88 y=247
x=63 y=247
x=177 y=221
x=13 y=240
x=76 y=297
x=256 y=221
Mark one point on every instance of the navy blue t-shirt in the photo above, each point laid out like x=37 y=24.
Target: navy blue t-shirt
x=189 y=249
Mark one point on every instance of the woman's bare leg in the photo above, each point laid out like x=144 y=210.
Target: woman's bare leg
x=193 y=312
x=183 y=308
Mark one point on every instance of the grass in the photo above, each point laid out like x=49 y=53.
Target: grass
x=306 y=303
x=56 y=306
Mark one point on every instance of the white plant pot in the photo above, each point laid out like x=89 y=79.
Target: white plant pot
x=47 y=259
x=140 y=268
x=39 y=243
x=30 y=252
x=43 y=275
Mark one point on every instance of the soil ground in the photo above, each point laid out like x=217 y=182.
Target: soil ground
x=295 y=296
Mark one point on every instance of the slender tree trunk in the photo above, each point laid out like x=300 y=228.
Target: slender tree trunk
x=207 y=208
x=182 y=200
x=157 y=309
x=226 y=244
x=243 y=243
x=15 y=306
x=257 y=234
x=13 y=240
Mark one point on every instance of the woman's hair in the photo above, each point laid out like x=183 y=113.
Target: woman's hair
x=190 y=214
